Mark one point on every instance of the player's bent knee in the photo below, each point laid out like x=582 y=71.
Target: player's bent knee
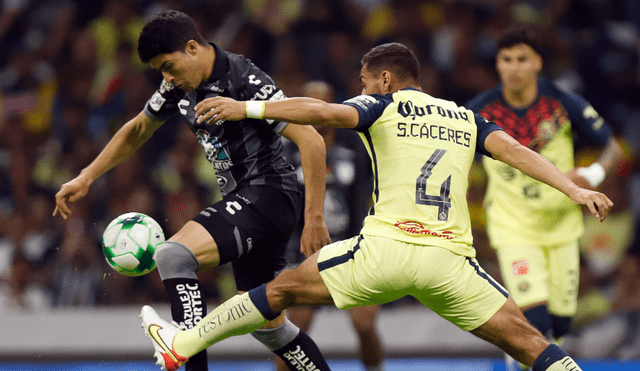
x=281 y=292
x=174 y=260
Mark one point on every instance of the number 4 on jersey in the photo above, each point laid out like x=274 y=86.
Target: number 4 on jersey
x=443 y=202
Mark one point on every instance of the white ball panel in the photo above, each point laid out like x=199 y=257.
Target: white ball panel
x=127 y=261
x=111 y=234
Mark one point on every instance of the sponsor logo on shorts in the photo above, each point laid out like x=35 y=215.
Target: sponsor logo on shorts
x=417 y=228
x=519 y=267
x=523 y=286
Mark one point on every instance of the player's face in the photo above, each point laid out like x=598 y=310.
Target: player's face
x=371 y=84
x=518 y=66
x=179 y=68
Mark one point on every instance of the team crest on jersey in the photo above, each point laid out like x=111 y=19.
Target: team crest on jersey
x=536 y=128
x=165 y=86
x=418 y=229
x=216 y=154
x=547 y=129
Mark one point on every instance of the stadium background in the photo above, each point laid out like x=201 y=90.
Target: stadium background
x=69 y=77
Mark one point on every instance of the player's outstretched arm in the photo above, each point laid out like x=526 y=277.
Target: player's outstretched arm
x=314 y=168
x=126 y=141
x=302 y=111
x=506 y=149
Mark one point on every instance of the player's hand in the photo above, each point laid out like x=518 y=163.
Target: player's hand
x=315 y=235
x=72 y=191
x=598 y=203
x=219 y=109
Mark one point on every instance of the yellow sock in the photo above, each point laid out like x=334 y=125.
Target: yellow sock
x=236 y=316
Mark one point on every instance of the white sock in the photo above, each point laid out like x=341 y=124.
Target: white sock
x=236 y=316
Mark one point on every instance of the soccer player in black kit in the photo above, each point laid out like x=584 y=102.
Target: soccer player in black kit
x=261 y=201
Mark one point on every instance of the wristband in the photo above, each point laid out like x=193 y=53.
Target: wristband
x=594 y=174
x=255 y=109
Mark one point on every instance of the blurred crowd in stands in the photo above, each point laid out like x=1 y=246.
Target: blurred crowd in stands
x=70 y=76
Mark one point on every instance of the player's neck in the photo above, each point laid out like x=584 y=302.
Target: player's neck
x=210 y=60
x=521 y=98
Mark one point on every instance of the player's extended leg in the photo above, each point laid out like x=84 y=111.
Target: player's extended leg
x=364 y=322
x=178 y=260
x=255 y=244
x=241 y=314
x=509 y=330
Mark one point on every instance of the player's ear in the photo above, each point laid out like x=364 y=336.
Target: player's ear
x=539 y=63
x=385 y=76
x=191 y=47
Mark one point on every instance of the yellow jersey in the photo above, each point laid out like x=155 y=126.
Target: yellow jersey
x=521 y=210
x=421 y=150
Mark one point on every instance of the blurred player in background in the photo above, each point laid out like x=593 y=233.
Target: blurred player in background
x=262 y=200
x=416 y=240
x=345 y=204
x=533 y=227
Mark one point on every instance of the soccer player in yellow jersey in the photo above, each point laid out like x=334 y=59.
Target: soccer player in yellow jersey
x=533 y=227
x=417 y=238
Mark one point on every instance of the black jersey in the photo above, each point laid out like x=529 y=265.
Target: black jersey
x=248 y=152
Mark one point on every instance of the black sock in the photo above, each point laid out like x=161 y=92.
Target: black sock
x=539 y=317
x=561 y=326
x=188 y=306
x=302 y=354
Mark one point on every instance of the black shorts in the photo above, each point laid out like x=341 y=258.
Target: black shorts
x=251 y=228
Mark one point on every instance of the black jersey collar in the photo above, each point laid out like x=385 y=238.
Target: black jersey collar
x=220 y=65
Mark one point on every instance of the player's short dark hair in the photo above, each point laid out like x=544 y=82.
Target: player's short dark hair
x=520 y=35
x=394 y=57
x=167 y=32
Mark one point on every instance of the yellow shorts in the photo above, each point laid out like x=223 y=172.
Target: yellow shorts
x=535 y=274
x=376 y=270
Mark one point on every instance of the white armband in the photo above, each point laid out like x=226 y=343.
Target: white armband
x=255 y=109
x=594 y=174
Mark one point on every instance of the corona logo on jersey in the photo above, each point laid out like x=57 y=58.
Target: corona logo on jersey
x=408 y=109
x=417 y=228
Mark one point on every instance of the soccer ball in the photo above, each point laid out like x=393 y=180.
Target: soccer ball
x=129 y=243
